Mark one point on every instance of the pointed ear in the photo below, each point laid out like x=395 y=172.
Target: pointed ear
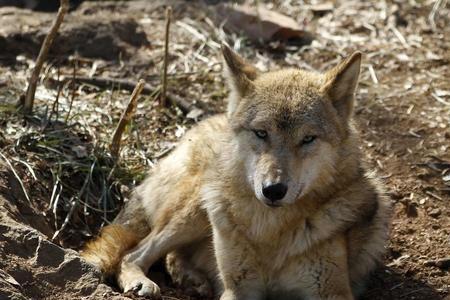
x=239 y=73
x=341 y=83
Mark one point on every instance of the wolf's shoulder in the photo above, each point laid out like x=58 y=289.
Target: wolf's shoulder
x=212 y=130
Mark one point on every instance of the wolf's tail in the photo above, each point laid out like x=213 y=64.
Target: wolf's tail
x=128 y=228
x=106 y=251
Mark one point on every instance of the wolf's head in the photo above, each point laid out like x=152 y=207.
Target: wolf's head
x=292 y=127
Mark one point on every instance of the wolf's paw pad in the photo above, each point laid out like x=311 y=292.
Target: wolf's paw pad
x=143 y=287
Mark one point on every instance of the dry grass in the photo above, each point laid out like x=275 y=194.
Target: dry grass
x=61 y=153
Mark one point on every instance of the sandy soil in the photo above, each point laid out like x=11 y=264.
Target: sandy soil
x=72 y=186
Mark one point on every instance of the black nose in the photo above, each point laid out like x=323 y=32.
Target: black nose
x=275 y=192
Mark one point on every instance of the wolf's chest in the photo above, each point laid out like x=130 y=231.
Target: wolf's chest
x=283 y=244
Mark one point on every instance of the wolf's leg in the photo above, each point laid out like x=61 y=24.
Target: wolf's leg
x=366 y=244
x=185 y=275
x=238 y=266
x=322 y=273
x=177 y=233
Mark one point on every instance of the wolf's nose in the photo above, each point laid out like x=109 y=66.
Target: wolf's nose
x=275 y=192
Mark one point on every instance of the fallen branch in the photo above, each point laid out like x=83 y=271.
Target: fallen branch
x=166 y=58
x=125 y=119
x=104 y=82
x=442 y=263
x=48 y=41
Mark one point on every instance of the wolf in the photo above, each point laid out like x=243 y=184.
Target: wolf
x=271 y=200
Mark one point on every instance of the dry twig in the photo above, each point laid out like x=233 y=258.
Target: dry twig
x=17 y=177
x=125 y=119
x=55 y=106
x=48 y=41
x=432 y=16
x=72 y=98
x=166 y=57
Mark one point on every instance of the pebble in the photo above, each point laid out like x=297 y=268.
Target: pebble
x=436 y=212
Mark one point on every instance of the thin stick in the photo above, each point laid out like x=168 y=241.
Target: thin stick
x=74 y=201
x=166 y=57
x=432 y=16
x=373 y=75
x=439 y=99
x=55 y=106
x=74 y=75
x=17 y=177
x=400 y=37
x=48 y=41
x=125 y=119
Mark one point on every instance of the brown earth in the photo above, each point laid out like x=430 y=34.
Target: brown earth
x=72 y=186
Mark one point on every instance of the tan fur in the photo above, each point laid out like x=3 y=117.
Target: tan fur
x=107 y=250
x=209 y=210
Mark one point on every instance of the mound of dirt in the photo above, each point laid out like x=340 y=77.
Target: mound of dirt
x=91 y=36
x=32 y=267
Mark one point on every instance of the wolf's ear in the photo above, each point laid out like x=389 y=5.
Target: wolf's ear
x=341 y=82
x=239 y=73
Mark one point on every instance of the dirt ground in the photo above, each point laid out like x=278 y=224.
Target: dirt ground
x=59 y=184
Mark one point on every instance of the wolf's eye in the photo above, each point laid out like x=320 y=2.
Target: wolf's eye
x=308 y=139
x=262 y=134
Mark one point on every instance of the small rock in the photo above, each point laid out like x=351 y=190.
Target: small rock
x=80 y=151
x=434 y=213
x=396 y=195
x=446 y=177
x=322 y=8
x=410 y=230
x=436 y=226
x=195 y=114
x=48 y=254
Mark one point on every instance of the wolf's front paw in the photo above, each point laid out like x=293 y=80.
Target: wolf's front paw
x=142 y=287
